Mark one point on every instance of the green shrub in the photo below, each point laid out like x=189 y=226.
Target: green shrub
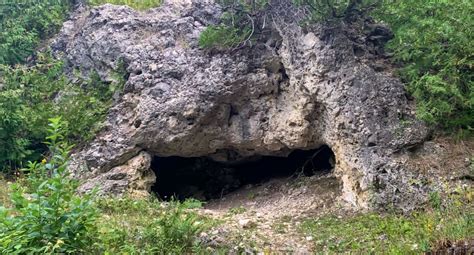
x=47 y=216
x=13 y=146
x=434 y=42
x=136 y=4
x=23 y=24
x=29 y=95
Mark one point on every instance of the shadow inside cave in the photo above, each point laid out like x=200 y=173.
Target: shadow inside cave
x=204 y=179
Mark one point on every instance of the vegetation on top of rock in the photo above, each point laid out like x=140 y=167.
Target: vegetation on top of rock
x=240 y=22
x=334 y=10
x=434 y=50
x=23 y=24
x=222 y=36
x=243 y=21
x=136 y=4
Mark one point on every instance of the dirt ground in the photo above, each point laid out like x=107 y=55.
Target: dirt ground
x=266 y=217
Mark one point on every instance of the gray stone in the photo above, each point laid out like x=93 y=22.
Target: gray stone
x=311 y=89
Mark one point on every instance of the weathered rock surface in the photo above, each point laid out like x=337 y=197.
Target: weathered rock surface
x=301 y=89
x=135 y=178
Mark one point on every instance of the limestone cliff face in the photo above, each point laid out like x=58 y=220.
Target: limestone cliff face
x=300 y=89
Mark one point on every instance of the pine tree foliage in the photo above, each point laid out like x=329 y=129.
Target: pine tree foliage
x=434 y=44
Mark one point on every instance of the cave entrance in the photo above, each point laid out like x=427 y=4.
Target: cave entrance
x=204 y=179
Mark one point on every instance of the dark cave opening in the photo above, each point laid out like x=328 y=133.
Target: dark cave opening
x=204 y=179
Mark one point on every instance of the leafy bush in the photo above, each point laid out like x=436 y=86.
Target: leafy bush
x=136 y=4
x=434 y=42
x=47 y=216
x=24 y=23
x=13 y=147
x=29 y=95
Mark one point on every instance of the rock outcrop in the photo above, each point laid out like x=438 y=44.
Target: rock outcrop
x=300 y=89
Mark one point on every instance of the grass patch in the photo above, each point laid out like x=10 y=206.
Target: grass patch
x=135 y=4
x=237 y=210
x=128 y=226
x=394 y=233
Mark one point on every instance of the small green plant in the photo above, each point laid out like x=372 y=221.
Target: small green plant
x=240 y=24
x=47 y=216
x=237 y=210
x=252 y=195
x=4 y=192
x=435 y=200
x=471 y=162
x=280 y=227
x=136 y=4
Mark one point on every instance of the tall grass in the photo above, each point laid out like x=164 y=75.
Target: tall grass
x=135 y=4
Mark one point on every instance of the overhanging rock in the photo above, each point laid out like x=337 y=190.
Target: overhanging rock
x=300 y=89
